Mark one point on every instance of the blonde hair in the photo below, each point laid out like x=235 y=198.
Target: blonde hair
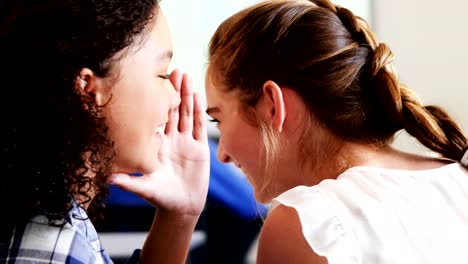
x=272 y=149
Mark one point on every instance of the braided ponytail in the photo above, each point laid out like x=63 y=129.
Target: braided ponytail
x=356 y=25
x=431 y=125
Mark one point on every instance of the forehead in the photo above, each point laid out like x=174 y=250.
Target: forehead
x=155 y=43
x=218 y=97
x=160 y=32
x=213 y=87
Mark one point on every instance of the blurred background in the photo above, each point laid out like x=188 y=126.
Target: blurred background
x=430 y=40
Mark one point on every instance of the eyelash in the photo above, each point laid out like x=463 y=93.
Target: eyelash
x=214 y=120
x=165 y=76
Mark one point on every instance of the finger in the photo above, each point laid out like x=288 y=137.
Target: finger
x=134 y=184
x=199 y=120
x=186 y=105
x=173 y=123
x=176 y=79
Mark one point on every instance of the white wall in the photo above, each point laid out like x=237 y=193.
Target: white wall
x=430 y=40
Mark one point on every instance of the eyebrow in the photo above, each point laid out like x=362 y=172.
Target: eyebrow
x=211 y=110
x=164 y=55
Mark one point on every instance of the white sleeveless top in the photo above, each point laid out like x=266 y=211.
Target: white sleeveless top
x=382 y=216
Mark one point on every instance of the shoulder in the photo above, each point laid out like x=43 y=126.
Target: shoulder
x=39 y=241
x=282 y=240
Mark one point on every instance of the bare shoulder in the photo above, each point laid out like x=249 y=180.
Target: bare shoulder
x=281 y=240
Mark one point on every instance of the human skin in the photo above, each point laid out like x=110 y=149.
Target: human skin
x=158 y=126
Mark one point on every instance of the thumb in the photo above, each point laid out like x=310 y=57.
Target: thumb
x=134 y=184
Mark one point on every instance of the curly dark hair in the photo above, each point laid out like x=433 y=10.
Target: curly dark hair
x=55 y=137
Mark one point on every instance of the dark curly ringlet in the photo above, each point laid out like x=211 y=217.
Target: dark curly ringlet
x=333 y=61
x=48 y=125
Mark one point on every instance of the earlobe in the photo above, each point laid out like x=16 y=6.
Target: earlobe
x=275 y=103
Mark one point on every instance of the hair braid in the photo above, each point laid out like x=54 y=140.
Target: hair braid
x=356 y=25
x=431 y=125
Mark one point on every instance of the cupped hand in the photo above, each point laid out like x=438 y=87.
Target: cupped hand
x=180 y=184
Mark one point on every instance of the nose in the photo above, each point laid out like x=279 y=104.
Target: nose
x=222 y=155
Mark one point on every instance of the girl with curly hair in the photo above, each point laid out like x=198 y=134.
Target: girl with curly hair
x=88 y=100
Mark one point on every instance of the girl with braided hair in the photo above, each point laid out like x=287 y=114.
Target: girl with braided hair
x=307 y=103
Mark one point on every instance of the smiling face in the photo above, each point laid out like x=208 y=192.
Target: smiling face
x=140 y=100
x=240 y=141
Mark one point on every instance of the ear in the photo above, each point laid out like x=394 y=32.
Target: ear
x=275 y=105
x=88 y=84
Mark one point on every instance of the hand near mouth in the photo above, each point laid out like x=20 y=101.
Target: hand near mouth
x=180 y=185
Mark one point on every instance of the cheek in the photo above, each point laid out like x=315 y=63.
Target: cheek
x=242 y=144
x=149 y=106
x=233 y=141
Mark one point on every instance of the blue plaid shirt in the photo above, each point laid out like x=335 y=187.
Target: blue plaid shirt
x=38 y=242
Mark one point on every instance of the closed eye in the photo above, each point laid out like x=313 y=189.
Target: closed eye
x=214 y=120
x=164 y=76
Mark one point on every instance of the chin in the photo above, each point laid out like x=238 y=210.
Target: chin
x=149 y=167
x=141 y=166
